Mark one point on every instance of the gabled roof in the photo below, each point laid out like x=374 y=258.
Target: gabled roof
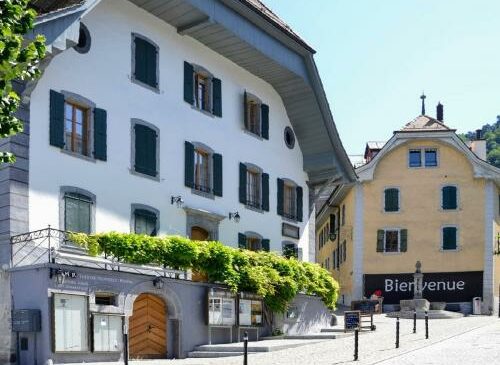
x=43 y=7
x=375 y=145
x=424 y=123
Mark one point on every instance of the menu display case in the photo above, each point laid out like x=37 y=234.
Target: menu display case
x=221 y=308
x=250 y=313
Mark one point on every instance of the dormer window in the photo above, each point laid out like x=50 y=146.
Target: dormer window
x=202 y=90
x=431 y=157
x=423 y=157
x=256 y=115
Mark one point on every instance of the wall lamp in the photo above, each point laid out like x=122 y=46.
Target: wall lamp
x=158 y=283
x=235 y=216
x=61 y=275
x=177 y=200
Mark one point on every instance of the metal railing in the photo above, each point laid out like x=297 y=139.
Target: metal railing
x=54 y=246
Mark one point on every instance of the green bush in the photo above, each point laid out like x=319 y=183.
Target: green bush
x=277 y=279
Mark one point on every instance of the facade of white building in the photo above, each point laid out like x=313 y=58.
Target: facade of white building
x=168 y=118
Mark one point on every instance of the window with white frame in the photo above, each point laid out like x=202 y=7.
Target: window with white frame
x=70 y=323
x=423 y=157
x=107 y=333
x=431 y=157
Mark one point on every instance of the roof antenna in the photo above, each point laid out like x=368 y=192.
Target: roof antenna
x=423 y=102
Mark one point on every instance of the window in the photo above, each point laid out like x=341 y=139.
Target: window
x=108 y=333
x=449 y=198
x=145 y=148
x=70 y=323
x=256 y=116
x=203 y=169
x=334 y=257
x=105 y=298
x=449 y=238
x=290 y=250
x=344 y=251
x=145 y=222
x=415 y=158
x=77 y=212
x=290 y=204
x=431 y=158
x=76 y=129
x=391 y=200
x=253 y=242
x=254 y=187
x=391 y=241
x=77 y=126
x=145 y=68
x=289 y=137
x=290 y=201
x=343 y=215
x=202 y=90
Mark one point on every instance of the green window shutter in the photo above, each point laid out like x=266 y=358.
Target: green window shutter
x=188 y=164
x=265 y=244
x=404 y=240
x=242 y=241
x=145 y=150
x=380 y=240
x=217 y=159
x=56 y=119
x=264 y=110
x=245 y=109
x=265 y=192
x=243 y=183
x=332 y=223
x=449 y=197
x=449 y=238
x=217 y=97
x=391 y=200
x=188 y=83
x=300 y=203
x=280 y=197
x=145 y=62
x=100 y=134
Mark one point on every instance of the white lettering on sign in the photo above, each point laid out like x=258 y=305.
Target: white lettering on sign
x=394 y=285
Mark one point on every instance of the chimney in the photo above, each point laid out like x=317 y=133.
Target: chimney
x=439 y=112
x=479 y=134
x=478 y=146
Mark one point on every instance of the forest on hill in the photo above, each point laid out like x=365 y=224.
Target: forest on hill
x=490 y=132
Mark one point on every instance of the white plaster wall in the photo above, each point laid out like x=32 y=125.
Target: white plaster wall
x=103 y=75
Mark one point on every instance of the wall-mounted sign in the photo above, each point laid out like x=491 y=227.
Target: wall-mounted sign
x=352 y=320
x=26 y=320
x=289 y=230
x=250 y=310
x=221 y=308
x=450 y=287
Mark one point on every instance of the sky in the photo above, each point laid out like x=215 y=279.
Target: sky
x=376 y=57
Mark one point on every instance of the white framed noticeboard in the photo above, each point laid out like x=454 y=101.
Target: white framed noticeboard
x=250 y=312
x=221 y=310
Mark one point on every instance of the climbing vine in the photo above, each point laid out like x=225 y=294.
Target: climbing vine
x=277 y=279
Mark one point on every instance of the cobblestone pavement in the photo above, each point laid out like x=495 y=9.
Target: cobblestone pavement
x=469 y=340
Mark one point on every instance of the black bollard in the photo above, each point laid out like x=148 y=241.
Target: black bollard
x=397 y=332
x=356 y=334
x=414 y=321
x=426 y=325
x=245 y=348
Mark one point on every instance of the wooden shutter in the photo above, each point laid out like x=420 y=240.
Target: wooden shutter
x=243 y=183
x=404 y=240
x=265 y=192
x=299 y=203
x=242 y=241
x=100 y=134
x=145 y=150
x=245 y=109
x=145 y=62
x=280 y=197
x=449 y=238
x=188 y=83
x=56 y=119
x=217 y=97
x=217 y=159
x=391 y=200
x=449 y=197
x=332 y=223
x=265 y=244
x=380 y=240
x=188 y=164
x=264 y=109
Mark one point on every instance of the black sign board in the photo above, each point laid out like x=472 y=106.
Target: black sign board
x=352 y=320
x=26 y=320
x=450 y=287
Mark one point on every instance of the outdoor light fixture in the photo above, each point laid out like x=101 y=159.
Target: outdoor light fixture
x=177 y=200
x=158 y=283
x=235 y=216
x=58 y=274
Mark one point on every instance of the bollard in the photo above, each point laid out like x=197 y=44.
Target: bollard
x=426 y=325
x=356 y=334
x=414 y=321
x=397 y=332
x=245 y=348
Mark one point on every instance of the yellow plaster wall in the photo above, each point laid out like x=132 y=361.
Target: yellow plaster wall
x=496 y=232
x=421 y=213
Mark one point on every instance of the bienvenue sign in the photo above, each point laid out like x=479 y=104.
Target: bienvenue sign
x=437 y=287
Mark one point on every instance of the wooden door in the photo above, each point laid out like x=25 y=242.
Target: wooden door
x=199 y=234
x=148 y=328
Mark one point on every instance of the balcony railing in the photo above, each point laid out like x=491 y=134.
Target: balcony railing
x=54 y=246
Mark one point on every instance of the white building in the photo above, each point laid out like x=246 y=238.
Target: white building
x=145 y=103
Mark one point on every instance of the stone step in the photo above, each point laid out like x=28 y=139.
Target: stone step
x=232 y=348
x=214 y=354
x=332 y=330
x=318 y=336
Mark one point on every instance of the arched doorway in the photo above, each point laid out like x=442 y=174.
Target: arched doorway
x=148 y=328
x=199 y=234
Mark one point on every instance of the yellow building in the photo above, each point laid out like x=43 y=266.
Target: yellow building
x=425 y=195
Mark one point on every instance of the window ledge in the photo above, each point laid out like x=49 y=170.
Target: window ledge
x=254 y=135
x=78 y=155
x=392 y=253
x=441 y=209
x=257 y=210
x=203 y=194
x=290 y=220
x=392 y=212
x=449 y=250
x=143 y=84
x=202 y=111
x=136 y=173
